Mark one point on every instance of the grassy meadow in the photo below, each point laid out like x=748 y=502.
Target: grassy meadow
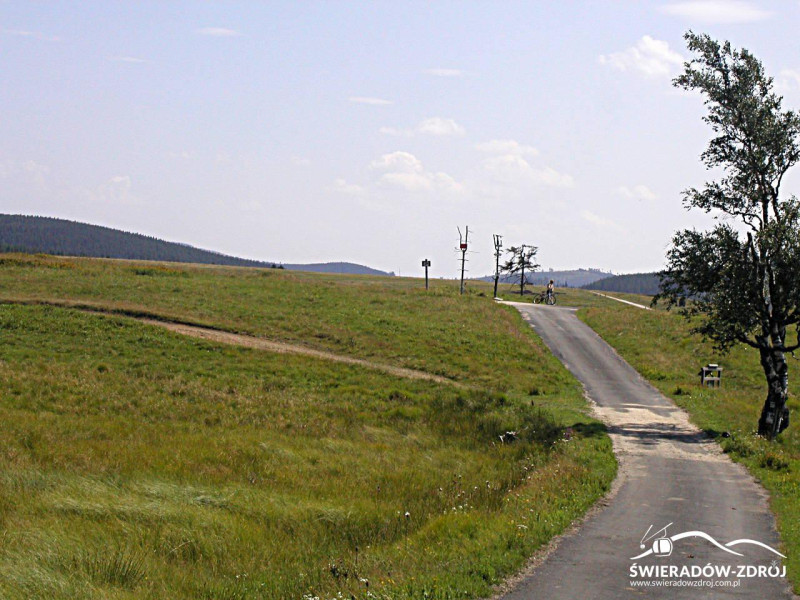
x=138 y=463
x=572 y=297
x=390 y=320
x=660 y=346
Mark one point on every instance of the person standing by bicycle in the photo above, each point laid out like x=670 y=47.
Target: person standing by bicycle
x=549 y=291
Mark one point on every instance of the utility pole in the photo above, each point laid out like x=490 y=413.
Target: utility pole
x=498 y=248
x=522 y=277
x=463 y=248
x=426 y=263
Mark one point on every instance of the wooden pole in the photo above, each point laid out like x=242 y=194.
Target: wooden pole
x=498 y=244
x=463 y=244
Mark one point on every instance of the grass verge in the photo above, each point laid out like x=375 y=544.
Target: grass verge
x=659 y=345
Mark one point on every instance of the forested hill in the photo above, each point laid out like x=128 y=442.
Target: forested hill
x=635 y=283
x=573 y=278
x=19 y=233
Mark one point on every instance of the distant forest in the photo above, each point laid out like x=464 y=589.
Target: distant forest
x=573 y=278
x=635 y=283
x=19 y=233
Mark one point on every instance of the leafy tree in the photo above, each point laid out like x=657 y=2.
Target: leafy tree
x=521 y=259
x=743 y=276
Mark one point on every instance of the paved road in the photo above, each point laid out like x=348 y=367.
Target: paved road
x=669 y=473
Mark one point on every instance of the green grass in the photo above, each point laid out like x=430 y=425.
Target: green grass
x=137 y=463
x=642 y=299
x=572 y=297
x=392 y=320
x=659 y=345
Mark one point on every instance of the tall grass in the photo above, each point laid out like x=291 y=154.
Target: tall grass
x=138 y=463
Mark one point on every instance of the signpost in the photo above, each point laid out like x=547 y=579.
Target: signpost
x=426 y=263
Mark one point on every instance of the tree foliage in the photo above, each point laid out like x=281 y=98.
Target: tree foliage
x=742 y=276
x=522 y=260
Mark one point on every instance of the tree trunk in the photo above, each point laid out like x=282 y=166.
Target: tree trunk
x=774 y=415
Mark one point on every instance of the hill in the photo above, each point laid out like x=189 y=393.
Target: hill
x=346 y=268
x=21 y=233
x=572 y=278
x=154 y=465
x=634 y=283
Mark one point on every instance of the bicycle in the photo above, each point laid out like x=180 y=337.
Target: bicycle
x=545 y=298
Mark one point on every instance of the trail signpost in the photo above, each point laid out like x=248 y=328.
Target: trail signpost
x=426 y=263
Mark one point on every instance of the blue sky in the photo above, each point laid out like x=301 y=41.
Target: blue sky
x=368 y=131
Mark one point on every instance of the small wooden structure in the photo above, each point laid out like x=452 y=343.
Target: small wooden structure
x=711 y=375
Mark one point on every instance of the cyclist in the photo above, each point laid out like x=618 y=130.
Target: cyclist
x=549 y=292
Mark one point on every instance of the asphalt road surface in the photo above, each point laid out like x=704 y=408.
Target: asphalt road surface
x=672 y=475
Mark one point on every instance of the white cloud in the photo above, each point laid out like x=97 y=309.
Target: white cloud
x=637 y=192
x=651 y=57
x=514 y=170
x=398 y=161
x=405 y=171
x=788 y=80
x=602 y=222
x=436 y=126
x=509 y=165
x=218 y=32
x=369 y=100
x=411 y=182
x=550 y=177
x=36 y=35
x=439 y=127
x=444 y=72
x=128 y=59
x=341 y=186
x=717 y=11
x=507 y=147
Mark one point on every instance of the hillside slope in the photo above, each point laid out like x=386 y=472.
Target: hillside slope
x=150 y=464
x=21 y=233
x=634 y=283
x=573 y=278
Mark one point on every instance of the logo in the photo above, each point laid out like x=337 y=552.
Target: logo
x=664 y=573
x=662 y=545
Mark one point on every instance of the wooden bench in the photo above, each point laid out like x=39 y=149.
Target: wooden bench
x=711 y=375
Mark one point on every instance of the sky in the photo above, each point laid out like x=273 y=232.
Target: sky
x=370 y=131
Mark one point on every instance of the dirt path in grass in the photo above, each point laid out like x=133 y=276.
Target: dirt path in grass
x=671 y=476
x=248 y=341
x=227 y=337
x=621 y=300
